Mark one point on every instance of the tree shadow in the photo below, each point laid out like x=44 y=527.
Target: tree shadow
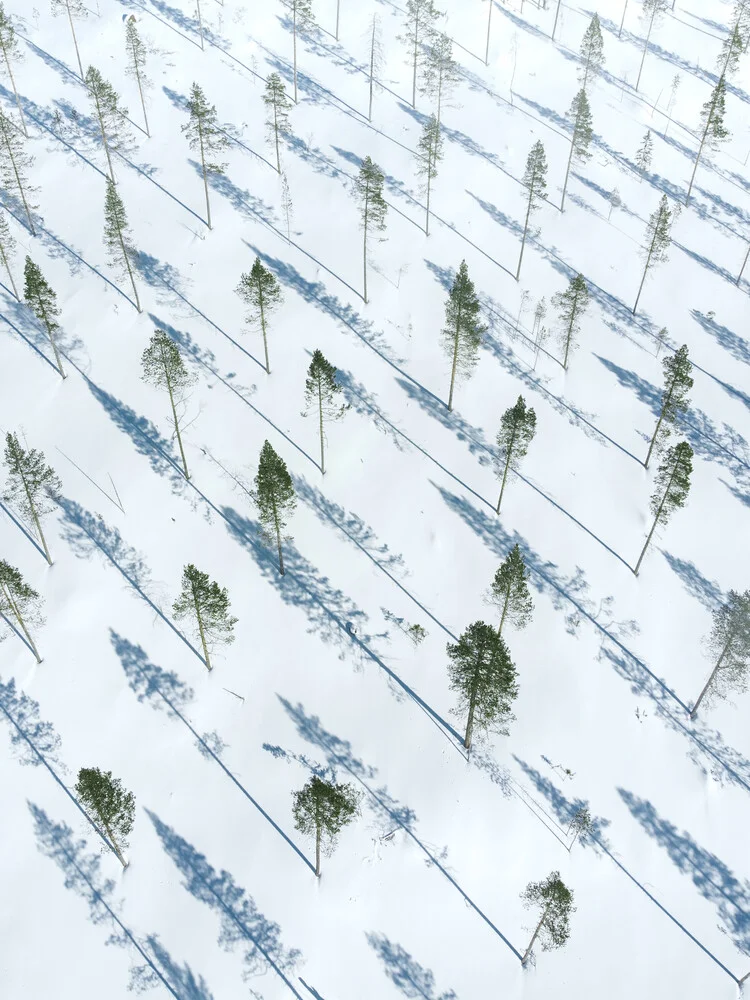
x=708 y=592
x=411 y=978
x=34 y=741
x=21 y=527
x=731 y=342
x=364 y=403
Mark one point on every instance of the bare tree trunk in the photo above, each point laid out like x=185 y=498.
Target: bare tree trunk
x=20 y=188
x=372 y=69
x=205 y=178
x=416 y=55
x=525 y=230
x=645 y=48
x=48 y=326
x=114 y=844
x=276 y=136
x=739 y=276
x=278 y=537
x=263 y=327
x=429 y=187
x=455 y=360
x=322 y=438
x=22 y=623
x=557 y=14
x=709 y=682
x=527 y=953
x=472 y=709
x=699 y=154
x=338 y=13
x=567 y=170
x=75 y=40
x=177 y=426
x=126 y=258
x=294 y=43
x=364 y=242
x=645 y=272
x=15 y=290
x=656 y=521
x=18 y=99
x=624 y=11
x=200 y=19
x=104 y=136
x=140 y=91
x=489 y=26
x=505 y=472
x=317 y=848
x=202 y=632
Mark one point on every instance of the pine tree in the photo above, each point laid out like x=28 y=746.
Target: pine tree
x=117 y=237
x=674 y=397
x=429 y=154
x=274 y=495
x=538 y=330
x=714 y=131
x=662 y=339
x=657 y=242
x=592 y=52
x=322 y=809
x=674 y=87
x=42 y=301
x=615 y=201
x=163 y=367
x=15 y=163
x=572 y=304
x=729 y=643
x=580 y=114
x=579 y=825
x=19 y=601
x=672 y=488
x=205 y=136
x=33 y=487
x=555 y=900
x=517 y=430
x=278 y=106
x=376 y=59
x=645 y=153
x=440 y=72
x=136 y=67
x=535 y=180
x=113 y=807
x=741 y=18
x=462 y=333
x=206 y=605
x=8 y=250
x=484 y=677
x=421 y=16
x=509 y=591
x=732 y=48
x=301 y=14
x=322 y=394
x=110 y=115
x=369 y=189
x=74 y=9
x=260 y=291
x=652 y=9
x=287 y=206
x=9 y=45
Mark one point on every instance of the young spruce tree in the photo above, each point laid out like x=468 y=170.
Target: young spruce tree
x=675 y=399
x=110 y=115
x=322 y=395
x=75 y=9
x=580 y=141
x=8 y=250
x=300 y=11
x=274 y=495
x=369 y=189
x=321 y=810
x=164 y=368
x=592 y=52
x=113 y=807
x=644 y=155
x=278 y=107
x=555 y=900
x=484 y=677
x=206 y=605
x=421 y=16
x=42 y=301
x=713 y=128
x=440 y=72
x=9 y=46
x=657 y=242
x=205 y=136
x=19 y=602
x=729 y=642
x=535 y=180
x=429 y=154
x=117 y=238
x=672 y=488
x=509 y=591
x=15 y=163
x=651 y=10
x=572 y=304
x=33 y=487
x=261 y=293
x=517 y=430
x=136 y=66
x=462 y=333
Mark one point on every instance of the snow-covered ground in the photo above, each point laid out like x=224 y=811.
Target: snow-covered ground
x=219 y=900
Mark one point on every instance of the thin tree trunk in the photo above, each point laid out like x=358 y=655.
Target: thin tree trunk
x=322 y=439
x=739 y=276
x=200 y=19
x=568 y=338
x=472 y=709
x=177 y=425
x=202 y=632
x=645 y=272
x=663 y=410
x=455 y=359
x=20 y=187
x=557 y=14
x=126 y=258
x=278 y=537
x=429 y=186
x=505 y=611
x=364 y=241
x=656 y=521
x=263 y=327
x=505 y=471
x=372 y=70
x=567 y=169
x=294 y=43
x=18 y=99
x=205 y=178
x=75 y=40
x=140 y=91
x=700 y=153
x=35 y=517
x=527 y=953
x=15 y=290
x=416 y=53
x=318 y=833
x=276 y=135
x=489 y=25
x=114 y=844
x=104 y=136
x=709 y=682
x=645 y=48
x=525 y=230
x=55 y=351
x=22 y=623
x=338 y=13
x=624 y=11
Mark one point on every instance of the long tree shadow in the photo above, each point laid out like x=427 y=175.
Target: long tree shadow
x=411 y=978
x=22 y=528
x=732 y=342
x=709 y=874
x=30 y=329
x=162 y=688
x=339 y=754
x=241 y=921
x=708 y=592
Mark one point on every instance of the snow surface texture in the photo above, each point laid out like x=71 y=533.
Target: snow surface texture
x=421 y=898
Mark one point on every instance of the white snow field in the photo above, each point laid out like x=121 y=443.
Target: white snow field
x=421 y=898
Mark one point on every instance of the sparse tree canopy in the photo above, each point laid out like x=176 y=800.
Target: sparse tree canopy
x=535 y=180
x=645 y=153
x=275 y=496
x=429 y=154
x=112 y=806
x=571 y=305
x=110 y=115
x=580 y=141
x=713 y=130
x=10 y=55
x=136 y=65
x=322 y=394
x=322 y=809
x=675 y=399
x=592 y=52
x=484 y=677
x=20 y=603
x=206 y=605
x=555 y=900
x=8 y=251
x=117 y=238
x=517 y=430
x=376 y=59
x=672 y=486
x=509 y=592
x=729 y=644
x=440 y=72
x=42 y=301
x=658 y=239
x=32 y=487
x=301 y=15
x=419 y=26
x=163 y=367
x=278 y=107
x=206 y=137
x=462 y=333
x=15 y=164
x=261 y=293
x=369 y=190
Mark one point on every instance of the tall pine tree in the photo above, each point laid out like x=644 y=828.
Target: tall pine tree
x=429 y=154
x=117 y=238
x=321 y=810
x=535 y=181
x=580 y=141
x=112 y=806
x=440 y=72
x=274 y=495
x=509 y=591
x=19 y=602
x=652 y=11
x=11 y=54
x=278 y=107
x=42 y=301
x=205 y=136
x=713 y=128
x=300 y=12
x=15 y=163
x=462 y=333
x=136 y=65
x=33 y=487
x=675 y=400
x=729 y=643
x=656 y=245
x=261 y=293
x=164 y=368
x=555 y=900
x=206 y=605
x=672 y=488
x=571 y=305
x=322 y=394
x=369 y=188
x=75 y=9
x=484 y=677
x=110 y=115
x=592 y=52
x=517 y=430
x=419 y=26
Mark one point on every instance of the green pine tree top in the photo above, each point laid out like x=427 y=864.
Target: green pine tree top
x=321 y=388
x=325 y=806
x=107 y=105
x=672 y=482
x=421 y=16
x=15 y=161
x=654 y=8
x=729 y=642
x=76 y=8
x=658 y=234
x=8 y=38
x=462 y=314
x=645 y=152
x=117 y=238
x=32 y=486
x=274 y=491
x=592 y=51
x=136 y=51
x=13 y=584
x=7 y=239
x=259 y=290
x=203 y=596
x=517 y=430
x=509 y=591
x=162 y=364
x=302 y=11
x=555 y=900
x=278 y=103
x=678 y=382
x=429 y=149
x=104 y=796
x=712 y=116
x=369 y=188
x=732 y=48
x=535 y=175
x=440 y=71
x=202 y=129
x=39 y=296
x=481 y=671
x=583 y=132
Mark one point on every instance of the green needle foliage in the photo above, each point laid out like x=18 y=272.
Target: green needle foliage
x=114 y=808
x=713 y=130
x=509 y=591
x=672 y=489
x=535 y=181
x=206 y=605
x=580 y=141
x=163 y=367
x=205 y=136
x=592 y=52
x=729 y=642
x=419 y=27
x=462 y=333
x=15 y=164
x=322 y=394
x=645 y=154
x=571 y=305
x=429 y=154
x=732 y=48
x=261 y=293
x=42 y=301
x=275 y=496
x=136 y=67
x=110 y=115
x=33 y=487
x=517 y=430
x=21 y=602
x=658 y=240
x=675 y=398
x=369 y=190
x=117 y=238
x=11 y=54
x=278 y=107
x=322 y=809
x=484 y=677
x=555 y=900
x=440 y=72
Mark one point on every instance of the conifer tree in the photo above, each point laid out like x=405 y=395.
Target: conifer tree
x=322 y=394
x=287 y=206
x=376 y=59
x=278 y=106
x=301 y=14
x=579 y=825
x=657 y=242
x=110 y=115
x=261 y=293
x=164 y=368
x=580 y=115
x=674 y=397
x=206 y=605
x=714 y=130
x=205 y=136
x=74 y=9
x=652 y=10
x=572 y=304
x=538 y=330
x=112 y=806
x=15 y=163
x=33 y=487
x=662 y=338
x=421 y=16
x=484 y=677
x=369 y=189
x=729 y=642
x=322 y=809
x=555 y=900
x=535 y=180
x=615 y=201
x=517 y=430
x=274 y=495
x=117 y=238
x=19 y=602
x=644 y=155
x=741 y=18
x=440 y=72
x=136 y=66
x=462 y=333
x=732 y=47
x=672 y=488
x=592 y=52
x=8 y=250
x=673 y=88
x=9 y=45
x=509 y=591
x=42 y=301
x=429 y=154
